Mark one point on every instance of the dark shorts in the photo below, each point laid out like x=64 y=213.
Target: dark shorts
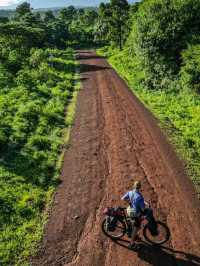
x=137 y=222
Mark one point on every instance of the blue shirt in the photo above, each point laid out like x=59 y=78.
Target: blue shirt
x=136 y=200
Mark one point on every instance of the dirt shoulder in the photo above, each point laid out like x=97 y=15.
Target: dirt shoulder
x=114 y=141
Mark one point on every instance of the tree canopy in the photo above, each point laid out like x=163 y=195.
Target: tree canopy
x=161 y=30
x=113 y=22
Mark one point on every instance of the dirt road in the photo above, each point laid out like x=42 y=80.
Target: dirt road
x=116 y=140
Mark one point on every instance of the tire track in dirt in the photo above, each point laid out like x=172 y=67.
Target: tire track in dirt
x=115 y=140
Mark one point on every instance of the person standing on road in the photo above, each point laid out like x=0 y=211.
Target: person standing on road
x=135 y=210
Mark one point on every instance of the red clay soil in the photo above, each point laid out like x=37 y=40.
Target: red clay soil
x=116 y=140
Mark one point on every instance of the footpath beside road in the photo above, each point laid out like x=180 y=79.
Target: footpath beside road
x=114 y=141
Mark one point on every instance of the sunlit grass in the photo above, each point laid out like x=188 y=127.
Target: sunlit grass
x=29 y=174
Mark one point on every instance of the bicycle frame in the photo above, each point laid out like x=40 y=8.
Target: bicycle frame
x=125 y=219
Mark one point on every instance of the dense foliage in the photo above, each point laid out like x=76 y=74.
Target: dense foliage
x=32 y=107
x=190 y=70
x=71 y=26
x=36 y=86
x=113 y=22
x=161 y=30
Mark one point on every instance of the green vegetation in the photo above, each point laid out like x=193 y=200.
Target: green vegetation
x=190 y=71
x=153 y=44
x=37 y=101
x=65 y=27
x=160 y=61
x=161 y=30
x=112 y=24
x=32 y=124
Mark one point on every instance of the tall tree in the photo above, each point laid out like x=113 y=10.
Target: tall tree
x=23 y=9
x=102 y=25
x=161 y=30
x=67 y=14
x=114 y=18
x=49 y=16
x=119 y=21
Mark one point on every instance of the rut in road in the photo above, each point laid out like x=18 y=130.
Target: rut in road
x=114 y=141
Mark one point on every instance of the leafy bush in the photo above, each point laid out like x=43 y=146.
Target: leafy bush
x=37 y=56
x=190 y=71
x=32 y=120
x=5 y=77
x=161 y=30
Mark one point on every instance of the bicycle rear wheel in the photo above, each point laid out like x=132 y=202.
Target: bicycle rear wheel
x=162 y=236
x=119 y=231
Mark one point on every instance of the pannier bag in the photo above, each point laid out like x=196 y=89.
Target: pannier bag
x=113 y=211
x=113 y=215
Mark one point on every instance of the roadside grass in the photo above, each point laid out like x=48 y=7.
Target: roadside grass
x=30 y=165
x=69 y=119
x=177 y=108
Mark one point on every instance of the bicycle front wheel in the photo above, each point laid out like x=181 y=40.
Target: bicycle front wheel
x=162 y=236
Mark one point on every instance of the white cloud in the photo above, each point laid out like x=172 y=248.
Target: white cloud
x=8 y=2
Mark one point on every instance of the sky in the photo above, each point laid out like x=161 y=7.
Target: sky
x=52 y=3
x=7 y=2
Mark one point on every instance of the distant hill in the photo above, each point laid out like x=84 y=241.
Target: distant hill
x=58 y=3
x=6 y=13
x=11 y=12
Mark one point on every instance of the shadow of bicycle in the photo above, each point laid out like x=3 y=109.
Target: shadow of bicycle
x=162 y=256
